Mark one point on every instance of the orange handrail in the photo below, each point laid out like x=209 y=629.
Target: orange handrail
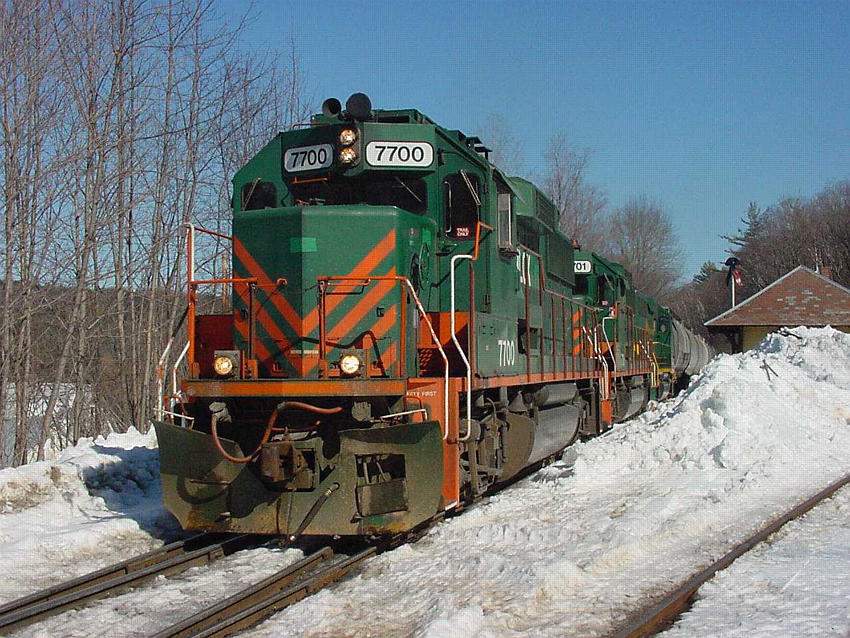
x=324 y=280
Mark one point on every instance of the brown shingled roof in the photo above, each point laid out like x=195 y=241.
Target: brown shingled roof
x=801 y=297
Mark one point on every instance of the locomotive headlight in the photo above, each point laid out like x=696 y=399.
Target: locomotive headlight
x=349 y=364
x=223 y=366
x=347 y=136
x=347 y=155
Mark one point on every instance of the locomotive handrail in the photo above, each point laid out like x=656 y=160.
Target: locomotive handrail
x=605 y=390
x=608 y=343
x=193 y=283
x=460 y=351
x=473 y=257
x=160 y=368
x=224 y=280
x=160 y=380
x=177 y=363
x=323 y=280
x=442 y=353
x=654 y=360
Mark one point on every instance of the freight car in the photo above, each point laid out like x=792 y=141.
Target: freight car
x=409 y=328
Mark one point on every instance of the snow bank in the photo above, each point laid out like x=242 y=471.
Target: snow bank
x=98 y=503
x=574 y=548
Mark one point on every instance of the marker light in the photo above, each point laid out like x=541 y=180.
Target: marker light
x=223 y=366
x=347 y=136
x=349 y=364
x=347 y=155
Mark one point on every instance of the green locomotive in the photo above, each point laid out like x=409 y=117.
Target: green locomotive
x=409 y=328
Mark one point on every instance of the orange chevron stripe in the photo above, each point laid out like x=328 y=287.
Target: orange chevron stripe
x=364 y=268
x=382 y=326
x=255 y=270
x=272 y=330
x=387 y=358
x=356 y=314
x=368 y=301
x=258 y=345
x=304 y=327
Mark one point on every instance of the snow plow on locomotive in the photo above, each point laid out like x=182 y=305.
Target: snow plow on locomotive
x=408 y=329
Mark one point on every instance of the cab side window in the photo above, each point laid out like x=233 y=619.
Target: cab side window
x=258 y=194
x=462 y=201
x=504 y=209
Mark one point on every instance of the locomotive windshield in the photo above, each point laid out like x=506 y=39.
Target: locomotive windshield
x=373 y=190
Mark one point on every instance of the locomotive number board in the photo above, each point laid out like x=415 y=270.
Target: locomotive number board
x=308 y=158
x=401 y=154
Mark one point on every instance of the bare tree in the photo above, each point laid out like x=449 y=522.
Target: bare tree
x=121 y=122
x=643 y=240
x=505 y=146
x=581 y=205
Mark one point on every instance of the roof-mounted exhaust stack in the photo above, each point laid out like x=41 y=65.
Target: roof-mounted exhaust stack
x=331 y=107
x=358 y=107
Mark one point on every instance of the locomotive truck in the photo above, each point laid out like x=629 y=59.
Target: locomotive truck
x=409 y=329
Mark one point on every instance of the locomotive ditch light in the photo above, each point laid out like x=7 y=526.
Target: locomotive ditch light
x=350 y=364
x=226 y=363
x=223 y=366
x=347 y=155
x=347 y=136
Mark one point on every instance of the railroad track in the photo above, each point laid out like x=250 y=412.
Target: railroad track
x=235 y=613
x=168 y=560
x=663 y=611
x=256 y=603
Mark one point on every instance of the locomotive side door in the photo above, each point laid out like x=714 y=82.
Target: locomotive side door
x=463 y=195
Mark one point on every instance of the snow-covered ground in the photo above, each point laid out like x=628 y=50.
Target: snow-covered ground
x=568 y=551
x=797 y=584
x=95 y=505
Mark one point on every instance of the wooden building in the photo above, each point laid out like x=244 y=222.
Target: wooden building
x=801 y=297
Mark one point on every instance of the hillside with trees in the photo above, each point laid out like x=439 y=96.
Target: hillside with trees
x=813 y=232
x=121 y=122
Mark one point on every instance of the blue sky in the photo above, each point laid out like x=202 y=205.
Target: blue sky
x=701 y=106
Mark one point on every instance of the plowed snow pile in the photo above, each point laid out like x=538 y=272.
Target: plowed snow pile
x=98 y=503
x=567 y=552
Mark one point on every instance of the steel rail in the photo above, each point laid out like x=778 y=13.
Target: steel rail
x=256 y=603
x=112 y=571
x=169 y=560
x=661 y=614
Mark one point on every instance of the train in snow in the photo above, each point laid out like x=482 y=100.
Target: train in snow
x=409 y=329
